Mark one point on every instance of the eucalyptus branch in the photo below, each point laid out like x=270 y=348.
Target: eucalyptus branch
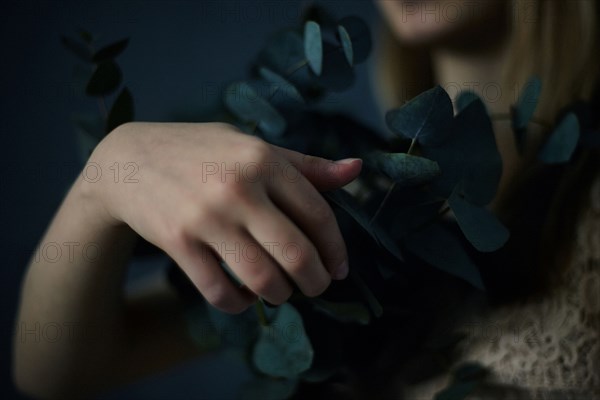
x=508 y=117
x=391 y=188
x=260 y=311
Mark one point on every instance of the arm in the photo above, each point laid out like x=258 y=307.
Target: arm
x=182 y=210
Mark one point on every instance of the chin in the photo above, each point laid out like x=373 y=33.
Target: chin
x=434 y=22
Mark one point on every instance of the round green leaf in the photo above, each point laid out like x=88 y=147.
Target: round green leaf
x=105 y=79
x=427 y=118
x=360 y=35
x=283 y=348
x=441 y=248
x=562 y=142
x=479 y=225
x=406 y=169
x=464 y=99
x=243 y=101
x=237 y=331
x=313 y=46
x=281 y=84
x=527 y=103
x=470 y=155
x=346 y=41
x=346 y=202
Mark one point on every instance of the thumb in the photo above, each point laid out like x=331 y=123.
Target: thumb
x=324 y=174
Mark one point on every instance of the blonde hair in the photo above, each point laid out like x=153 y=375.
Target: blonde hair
x=556 y=40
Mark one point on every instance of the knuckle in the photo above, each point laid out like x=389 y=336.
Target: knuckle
x=229 y=193
x=174 y=239
x=256 y=150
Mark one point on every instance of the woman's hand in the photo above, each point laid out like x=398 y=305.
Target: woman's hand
x=205 y=192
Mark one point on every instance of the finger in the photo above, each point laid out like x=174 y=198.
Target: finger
x=289 y=247
x=253 y=265
x=204 y=271
x=299 y=200
x=323 y=174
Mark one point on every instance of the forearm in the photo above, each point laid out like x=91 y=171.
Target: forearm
x=69 y=326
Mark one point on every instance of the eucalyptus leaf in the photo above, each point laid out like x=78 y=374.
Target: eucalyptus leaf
x=523 y=110
x=359 y=33
x=469 y=155
x=283 y=348
x=238 y=331
x=479 y=225
x=243 y=101
x=441 y=248
x=284 y=52
x=281 y=84
x=201 y=329
x=346 y=42
x=353 y=312
x=406 y=169
x=110 y=51
x=121 y=111
x=78 y=49
x=464 y=99
x=313 y=46
x=105 y=79
x=346 y=202
x=427 y=118
x=562 y=142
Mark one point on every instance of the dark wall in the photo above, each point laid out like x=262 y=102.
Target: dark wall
x=180 y=53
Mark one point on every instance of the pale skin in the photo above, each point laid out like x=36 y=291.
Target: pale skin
x=180 y=208
x=183 y=210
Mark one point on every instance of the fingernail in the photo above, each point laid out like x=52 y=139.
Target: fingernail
x=341 y=272
x=347 y=161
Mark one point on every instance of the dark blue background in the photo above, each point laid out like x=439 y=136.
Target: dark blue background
x=180 y=54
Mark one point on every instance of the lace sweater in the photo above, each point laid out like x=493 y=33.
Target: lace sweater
x=544 y=349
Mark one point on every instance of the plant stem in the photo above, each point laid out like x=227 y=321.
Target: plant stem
x=412 y=146
x=383 y=202
x=260 y=311
x=508 y=117
x=392 y=186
